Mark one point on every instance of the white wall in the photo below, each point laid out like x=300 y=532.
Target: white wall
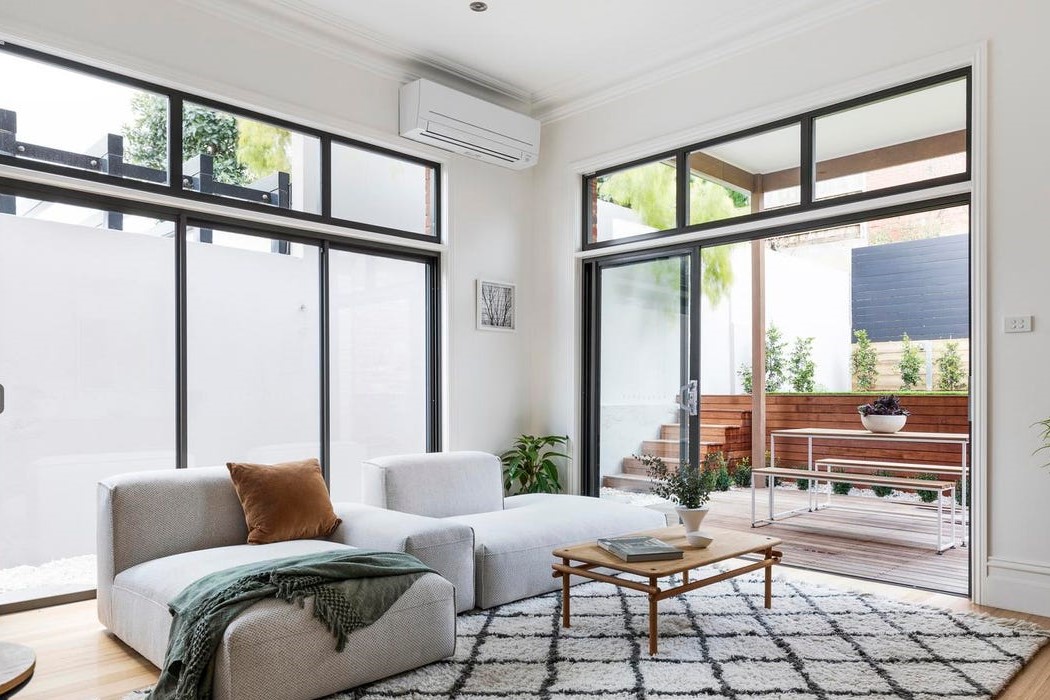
x=877 y=38
x=488 y=213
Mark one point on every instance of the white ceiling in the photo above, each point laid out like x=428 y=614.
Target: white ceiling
x=553 y=57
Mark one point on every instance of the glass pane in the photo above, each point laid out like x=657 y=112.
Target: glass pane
x=378 y=189
x=744 y=176
x=87 y=358
x=378 y=362
x=233 y=156
x=634 y=201
x=64 y=117
x=644 y=365
x=253 y=333
x=909 y=138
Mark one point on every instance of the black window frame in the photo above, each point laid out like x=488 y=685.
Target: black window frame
x=174 y=186
x=807 y=180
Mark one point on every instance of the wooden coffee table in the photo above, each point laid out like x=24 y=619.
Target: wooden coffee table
x=582 y=559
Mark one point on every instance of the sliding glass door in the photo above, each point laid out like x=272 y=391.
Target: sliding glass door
x=645 y=396
x=253 y=357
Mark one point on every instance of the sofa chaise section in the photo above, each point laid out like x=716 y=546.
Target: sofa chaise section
x=513 y=537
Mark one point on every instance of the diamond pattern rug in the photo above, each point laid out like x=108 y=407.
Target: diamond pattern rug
x=816 y=643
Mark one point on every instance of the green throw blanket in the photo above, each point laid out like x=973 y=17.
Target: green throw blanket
x=352 y=588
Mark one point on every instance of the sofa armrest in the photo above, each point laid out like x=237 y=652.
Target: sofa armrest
x=446 y=547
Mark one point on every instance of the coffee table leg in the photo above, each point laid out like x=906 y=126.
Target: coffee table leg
x=653 y=619
x=565 y=596
x=769 y=580
x=685 y=577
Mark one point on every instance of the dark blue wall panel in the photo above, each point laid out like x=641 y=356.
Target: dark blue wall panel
x=921 y=288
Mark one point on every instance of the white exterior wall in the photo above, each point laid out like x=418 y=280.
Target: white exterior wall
x=880 y=37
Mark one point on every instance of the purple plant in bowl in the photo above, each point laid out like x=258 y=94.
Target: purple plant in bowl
x=883 y=415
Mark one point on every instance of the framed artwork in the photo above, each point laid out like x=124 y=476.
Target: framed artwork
x=496 y=306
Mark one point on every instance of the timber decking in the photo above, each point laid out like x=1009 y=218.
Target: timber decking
x=891 y=544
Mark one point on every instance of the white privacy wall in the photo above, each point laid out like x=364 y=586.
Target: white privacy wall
x=877 y=38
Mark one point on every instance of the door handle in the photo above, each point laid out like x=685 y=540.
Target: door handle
x=1 y=398
x=689 y=398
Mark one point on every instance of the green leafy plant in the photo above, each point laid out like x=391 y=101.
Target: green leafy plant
x=1044 y=435
x=742 y=473
x=911 y=364
x=530 y=464
x=715 y=463
x=958 y=492
x=950 y=375
x=925 y=495
x=801 y=366
x=802 y=484
x=882 y=491
x=688 y=486
x=776 y=363
x=243 y=150
x=863 y=362
x=842 y=488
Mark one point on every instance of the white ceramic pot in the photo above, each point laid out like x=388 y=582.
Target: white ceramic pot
x=883 y=424
x=699 y=539
x=691 y=517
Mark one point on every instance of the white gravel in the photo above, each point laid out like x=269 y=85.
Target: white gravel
x=74 y=571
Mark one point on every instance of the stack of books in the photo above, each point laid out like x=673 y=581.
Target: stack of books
x=639 y=548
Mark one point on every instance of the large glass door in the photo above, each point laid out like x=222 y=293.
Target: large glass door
x=645 y=390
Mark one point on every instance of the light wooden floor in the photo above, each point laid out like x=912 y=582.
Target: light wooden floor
x=895 y=544
x=76 y=658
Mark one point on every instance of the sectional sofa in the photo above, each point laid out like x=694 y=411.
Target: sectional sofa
x=159 y=531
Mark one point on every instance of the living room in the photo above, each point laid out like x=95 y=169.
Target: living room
x=261 y=322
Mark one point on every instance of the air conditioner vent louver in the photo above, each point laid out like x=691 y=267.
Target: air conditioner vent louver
x=431 y=113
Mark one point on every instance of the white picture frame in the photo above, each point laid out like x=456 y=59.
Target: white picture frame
x=496 y=306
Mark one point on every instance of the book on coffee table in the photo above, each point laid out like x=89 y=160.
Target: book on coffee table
x=636 y=548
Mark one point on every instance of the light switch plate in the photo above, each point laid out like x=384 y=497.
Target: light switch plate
x=1017 y=324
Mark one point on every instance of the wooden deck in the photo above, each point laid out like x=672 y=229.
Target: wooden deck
x=896 y=544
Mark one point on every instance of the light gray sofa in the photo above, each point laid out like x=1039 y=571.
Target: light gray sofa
x=160 y=531
x=513 y=536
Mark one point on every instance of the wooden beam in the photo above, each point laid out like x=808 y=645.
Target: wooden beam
x=711 y=168
x=876 y=159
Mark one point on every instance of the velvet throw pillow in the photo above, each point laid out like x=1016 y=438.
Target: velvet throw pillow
x=283 y=502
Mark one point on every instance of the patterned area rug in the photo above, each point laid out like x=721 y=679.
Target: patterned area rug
x=816 y=643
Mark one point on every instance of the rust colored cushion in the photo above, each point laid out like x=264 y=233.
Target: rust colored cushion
x=285 y=501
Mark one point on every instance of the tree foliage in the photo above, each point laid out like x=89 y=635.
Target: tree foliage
x=863 y=362
x=801 y=367
x=911 y=364
x=243 y=150
x=950 y=374
x=776 y=362
x=649 y=191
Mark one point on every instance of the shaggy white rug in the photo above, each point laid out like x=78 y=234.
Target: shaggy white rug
x=816 y=643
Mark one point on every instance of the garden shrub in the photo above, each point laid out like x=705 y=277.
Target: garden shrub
x=882 y=491
x=911 y=364
x=742 y=473
x=842 y=488
x=925 y=495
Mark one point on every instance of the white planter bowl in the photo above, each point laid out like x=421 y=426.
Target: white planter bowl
x=883 y=424
x=691 y=517
x=699 y=539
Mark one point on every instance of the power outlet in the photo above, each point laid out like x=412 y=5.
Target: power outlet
x=1017 y=324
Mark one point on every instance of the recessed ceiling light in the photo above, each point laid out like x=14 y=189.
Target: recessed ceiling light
x=479 y=6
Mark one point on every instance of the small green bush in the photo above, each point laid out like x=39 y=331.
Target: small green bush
x=925 y=495
x=742 y=473
x=715 y=463
x=958 y=492
x=802 y=484
x=842 y=488
x=864 y=360
x=722 y=479
x=882 y=491
x=911 y=364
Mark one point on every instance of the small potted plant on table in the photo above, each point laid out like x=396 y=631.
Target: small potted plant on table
x=688 y=487
x=883 y=415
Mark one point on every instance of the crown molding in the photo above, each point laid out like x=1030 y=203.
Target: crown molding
x=555 y=104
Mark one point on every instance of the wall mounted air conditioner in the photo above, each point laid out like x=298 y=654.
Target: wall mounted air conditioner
x=454 y=121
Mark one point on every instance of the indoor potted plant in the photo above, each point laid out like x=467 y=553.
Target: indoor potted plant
x=883 y=415
x=530 y=466
x=689 y=487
